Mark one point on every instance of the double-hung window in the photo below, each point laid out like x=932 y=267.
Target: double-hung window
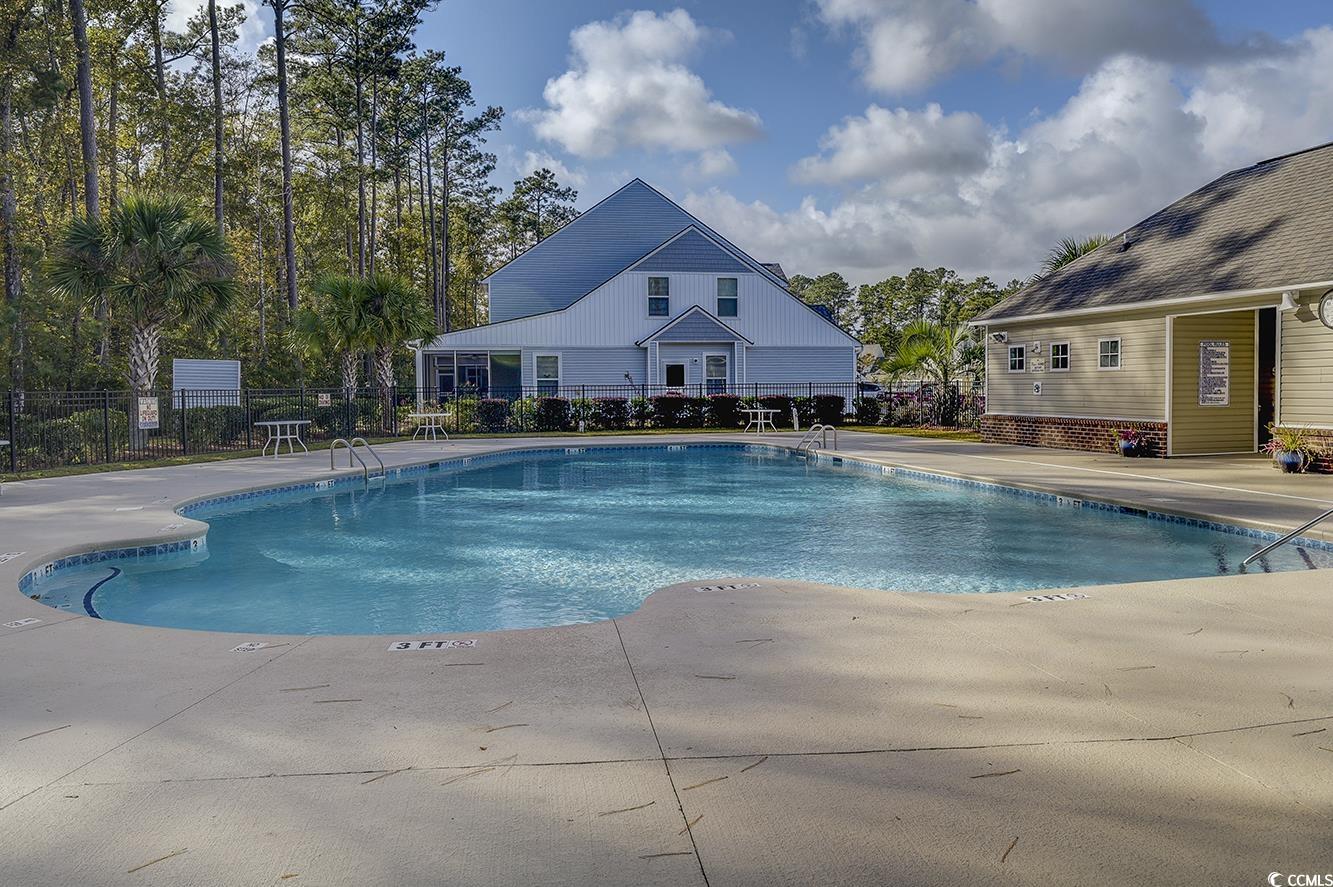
x=1108 y=354
x=548 y=374
x=659 y=297
x=1017 y=359
x=1059 y=357
x=728 y=303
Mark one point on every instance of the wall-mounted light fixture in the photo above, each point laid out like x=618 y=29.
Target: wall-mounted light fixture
x=1001 y=338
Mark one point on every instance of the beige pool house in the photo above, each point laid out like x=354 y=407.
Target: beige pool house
x=1198 y=327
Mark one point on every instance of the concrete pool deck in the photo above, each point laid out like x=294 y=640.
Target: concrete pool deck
x=1161 y=732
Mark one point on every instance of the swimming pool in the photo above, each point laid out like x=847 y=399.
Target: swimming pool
x=558 y=537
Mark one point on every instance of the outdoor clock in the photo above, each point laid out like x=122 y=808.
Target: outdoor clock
x=1326 y=309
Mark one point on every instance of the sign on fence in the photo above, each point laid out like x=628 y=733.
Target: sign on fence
x=148 y=416
x=325 y=399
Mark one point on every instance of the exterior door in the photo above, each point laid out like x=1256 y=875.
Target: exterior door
x=715 y=373
x=675 y=375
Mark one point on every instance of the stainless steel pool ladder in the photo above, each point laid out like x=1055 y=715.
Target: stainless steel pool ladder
x=1287 y=538
x=821 y=431
x=353 y=454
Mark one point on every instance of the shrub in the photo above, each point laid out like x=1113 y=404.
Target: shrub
x=210 y=428
x=696 y=411
x=493 y=413
x=907 y=413
x=780 y=402
x=523 y=414
x=610 y=413
x=640 y=411
x=829 y=408
x=867 y=411
x=552 y=414
x=669 y=410
x=724 y=411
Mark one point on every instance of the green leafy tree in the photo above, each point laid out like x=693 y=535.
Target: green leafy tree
x=830 y=290
x=155 y=265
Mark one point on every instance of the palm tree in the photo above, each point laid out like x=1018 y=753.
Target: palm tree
x=341 y=326
x=155 y=265
x=400 y=314
x=942 y=353
x=1066 y=251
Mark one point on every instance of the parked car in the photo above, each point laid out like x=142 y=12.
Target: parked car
x=868 y=389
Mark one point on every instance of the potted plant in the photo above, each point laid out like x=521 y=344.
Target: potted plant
x=1291 y=448
x=1127 y=441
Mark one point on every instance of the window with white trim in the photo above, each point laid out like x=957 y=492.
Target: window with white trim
x=1017 y=358
x=548 y=374
x=659 y=297
x=1108 y=354
x=1059 y=357
x=728 y=303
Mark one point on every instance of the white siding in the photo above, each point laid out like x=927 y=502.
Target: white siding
x=1306 y=378
x=830 y=364
x=616 y=315
x=207 y=375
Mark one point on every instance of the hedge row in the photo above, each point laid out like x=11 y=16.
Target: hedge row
x=615 y=413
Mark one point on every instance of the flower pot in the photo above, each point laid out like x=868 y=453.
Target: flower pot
x=1127 y=448
x=1291 y=461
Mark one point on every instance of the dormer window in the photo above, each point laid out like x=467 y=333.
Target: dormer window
x=659 y=297
x=727 y=300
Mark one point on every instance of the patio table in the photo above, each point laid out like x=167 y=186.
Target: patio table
x=429 y=425
x=280 y=430
x=760 y=417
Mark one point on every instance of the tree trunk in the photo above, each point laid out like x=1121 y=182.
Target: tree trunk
x=145 y=351
x=441 y=322
x=217 y=113
x=374 y=163
x=13 y=282
x=112 y=132
x=160 y=84
x=384 y=368
x=87 y=124
x=284 y=125
x=360 y=163
x=350 y=365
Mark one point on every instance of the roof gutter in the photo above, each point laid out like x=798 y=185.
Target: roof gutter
x=1155 y=303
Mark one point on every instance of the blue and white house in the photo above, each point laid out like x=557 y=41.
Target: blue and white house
x=636 y=291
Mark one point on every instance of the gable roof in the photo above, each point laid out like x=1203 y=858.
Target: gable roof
x=596 y=246
x=690 y=250
x=1265 y=226
x=694 y=324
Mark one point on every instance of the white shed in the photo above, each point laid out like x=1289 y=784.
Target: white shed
x=218 y=381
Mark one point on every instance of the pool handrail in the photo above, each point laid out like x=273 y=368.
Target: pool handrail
x=365 y=443
x=808 y=440
x=1286 y=538
x=351 y=454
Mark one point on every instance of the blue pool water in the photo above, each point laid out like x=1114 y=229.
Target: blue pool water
x=557 y=538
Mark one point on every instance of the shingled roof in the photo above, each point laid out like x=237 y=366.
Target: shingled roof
x=1263 y=226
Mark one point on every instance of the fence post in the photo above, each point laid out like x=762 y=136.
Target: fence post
x=249 y=423
x=106 y=425
x=185 y=440
x=13 y=434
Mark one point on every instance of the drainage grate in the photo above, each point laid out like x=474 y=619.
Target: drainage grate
x=733 y=587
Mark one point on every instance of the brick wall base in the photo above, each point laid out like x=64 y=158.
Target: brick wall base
x=1096 y=435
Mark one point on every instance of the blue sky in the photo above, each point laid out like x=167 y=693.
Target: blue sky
x=869 y=136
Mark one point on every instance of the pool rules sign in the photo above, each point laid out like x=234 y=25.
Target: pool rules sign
x=1214 y=373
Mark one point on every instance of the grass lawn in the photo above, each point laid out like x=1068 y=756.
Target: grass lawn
x=965 y=434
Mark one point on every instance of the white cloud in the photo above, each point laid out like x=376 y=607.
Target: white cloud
x=913 y=148
x=906 y=44
x=535 y=160
x=1133 y=138
x=628 y=87
x=255 y=30
x=711 y=164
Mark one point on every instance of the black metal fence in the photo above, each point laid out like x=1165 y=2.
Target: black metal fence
x=51 y=429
